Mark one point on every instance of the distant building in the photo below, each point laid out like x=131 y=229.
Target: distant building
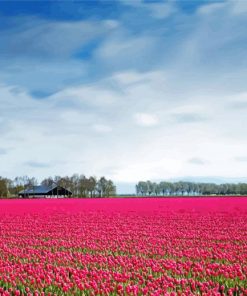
x=52 y=191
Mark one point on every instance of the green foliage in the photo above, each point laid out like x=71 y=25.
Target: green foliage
x=4 y=192
x=189 y=188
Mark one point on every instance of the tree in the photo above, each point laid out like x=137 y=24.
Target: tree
x=101 y=186
x=47 y=182
x=82 y=186
x=163 y=188
x=150 y=187
x=74 y=180
x=142 y=188
x=156 y=189
x=110 y=189
x=184 y=187
x=105 y=187
x=3 y=187
x=92 y=182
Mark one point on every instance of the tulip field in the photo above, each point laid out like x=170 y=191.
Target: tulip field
x=142 y=246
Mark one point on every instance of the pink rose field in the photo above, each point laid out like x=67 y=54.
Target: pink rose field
x=142 y=246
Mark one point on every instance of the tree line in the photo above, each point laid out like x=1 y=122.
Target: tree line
x=79 y=185
x=189 y=188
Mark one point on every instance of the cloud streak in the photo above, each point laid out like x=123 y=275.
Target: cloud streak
x=3 y=151
x=196 y=161
x=39 y=165
x=188 y=117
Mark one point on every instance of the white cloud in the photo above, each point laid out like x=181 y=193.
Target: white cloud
x=44 y=55
x=111 y=24
x=211 y=8
x=156 y=10
x=129 y=77
x=46 y=38
x=145 y=119
x=162 y=10
x=146 y=170
x=106 y=141
x=101 y=128
x=238 y=7
x=125 y=46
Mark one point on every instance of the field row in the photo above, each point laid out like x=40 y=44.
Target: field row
x=124 y=247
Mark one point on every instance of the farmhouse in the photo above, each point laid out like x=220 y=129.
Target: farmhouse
x=52 y=191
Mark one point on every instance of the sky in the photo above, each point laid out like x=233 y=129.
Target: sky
x=129 y=89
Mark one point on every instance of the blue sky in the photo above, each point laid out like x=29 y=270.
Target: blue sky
x=132 y=90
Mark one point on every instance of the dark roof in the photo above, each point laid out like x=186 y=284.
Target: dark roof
x=42 y=189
